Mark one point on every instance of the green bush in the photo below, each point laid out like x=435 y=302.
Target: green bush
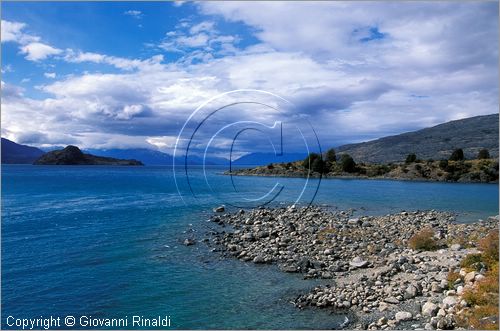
x=411 y=158
x=348 y=164
x=483 y=154
x=457 y=155
x=315 y=163
x=471 y=260
x=443 y=164
x=330 y=156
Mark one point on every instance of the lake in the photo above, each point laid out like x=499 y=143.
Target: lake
x=106 y=242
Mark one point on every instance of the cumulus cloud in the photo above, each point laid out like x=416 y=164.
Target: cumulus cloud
x=357 y=70
x=39 y=51
x=50 y=75
x=198 y=41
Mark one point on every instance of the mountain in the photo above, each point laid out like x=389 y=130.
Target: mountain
x=437 y=142
x=152 y=157
x=72 y=155
x=19 y=154
x=267 y=158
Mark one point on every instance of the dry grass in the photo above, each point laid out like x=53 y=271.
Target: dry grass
x=452 y=277
x=483 y=297
x=489 y=247
x=423 y=240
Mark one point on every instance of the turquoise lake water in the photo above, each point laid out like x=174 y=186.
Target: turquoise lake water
x=107 y=242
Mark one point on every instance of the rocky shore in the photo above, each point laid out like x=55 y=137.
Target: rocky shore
x=369 y=268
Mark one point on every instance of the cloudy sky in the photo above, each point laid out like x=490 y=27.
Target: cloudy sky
x=124 y=75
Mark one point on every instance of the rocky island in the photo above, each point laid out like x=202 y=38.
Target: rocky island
x=410 y=270
x=72 y=155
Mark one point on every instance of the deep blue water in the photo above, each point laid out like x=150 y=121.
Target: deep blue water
x=107 y=242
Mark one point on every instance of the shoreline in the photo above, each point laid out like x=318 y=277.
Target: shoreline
x=244 y=173
x=370 y=273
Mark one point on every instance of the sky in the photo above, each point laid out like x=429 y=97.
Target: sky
x=129 y=74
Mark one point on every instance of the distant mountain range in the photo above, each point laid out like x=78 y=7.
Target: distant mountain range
x=152 y=157
x=18 y=154
x=438 y=142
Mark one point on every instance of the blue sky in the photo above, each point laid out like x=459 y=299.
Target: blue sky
x=128 y=74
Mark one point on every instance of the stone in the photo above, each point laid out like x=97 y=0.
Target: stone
x=219 y=209
x=445 y=323
x=455 y=247
x=358 y=262
x=392 y=300
x=248 y=236
x=259 y=259
x=403 y=316
x=289 y=268
x=189 y=242
x=327 y=251
x=450 y=301
x=469 y=277
x=383 y=306
x=429 y=309
x=354 y=221
x=428 y=326
x=460 y=290
x=478 y=278
x=410 y=292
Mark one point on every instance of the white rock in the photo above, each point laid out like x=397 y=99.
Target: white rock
x=470 y=277
x=429 y=309
x=479 y=277
x=403 y=316
x=450 y=301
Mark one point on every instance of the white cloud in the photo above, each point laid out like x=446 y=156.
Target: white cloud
x=134 y=13
x=50 y=75
x=39 y=51
x=118 y=62
x=12 y=32
x=351 y=89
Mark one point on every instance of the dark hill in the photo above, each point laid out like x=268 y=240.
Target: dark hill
x=72 y=155
x=438 y=142
x=19 y=154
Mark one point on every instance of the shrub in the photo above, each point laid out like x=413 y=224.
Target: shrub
x=483 y=154
x=348 y=164
x=471 y=261
x=489 y=246
x=331 y=156
x=423 y=240
x=443 y=164
x=411 y=158
x=318 y=165
x=452 y=277
x=270 y=166
x=457 y=155
x=308 y=161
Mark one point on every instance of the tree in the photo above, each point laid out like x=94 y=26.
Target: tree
x=314 y=162
x=457 y=155
x=348 y=164
x=483 y=154
x=411 y=158
x=318 y=165
x=331 y=156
